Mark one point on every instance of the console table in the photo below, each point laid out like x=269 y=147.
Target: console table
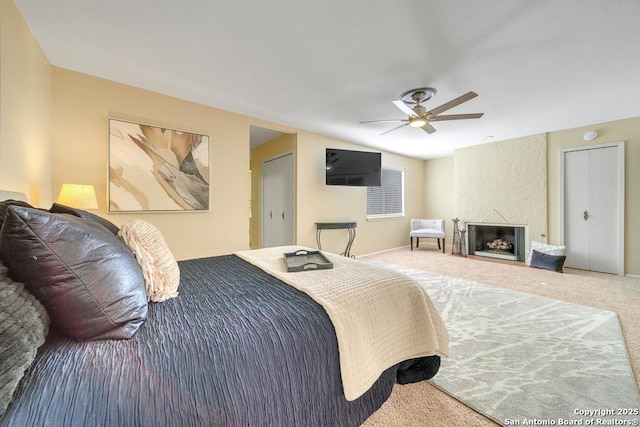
x=350 y=226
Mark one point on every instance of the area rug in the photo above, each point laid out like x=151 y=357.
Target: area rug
x=523 y=359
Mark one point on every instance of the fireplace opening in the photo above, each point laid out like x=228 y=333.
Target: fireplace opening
x=497 y=241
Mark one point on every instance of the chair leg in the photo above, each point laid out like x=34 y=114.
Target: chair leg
x=438 y=243
x=411 y=242
x=443 y=244
x=417 y=242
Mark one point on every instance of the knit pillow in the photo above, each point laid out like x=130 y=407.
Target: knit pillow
x=24 y=325
x=159 y=267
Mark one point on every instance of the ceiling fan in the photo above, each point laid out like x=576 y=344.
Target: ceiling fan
x=410 y=102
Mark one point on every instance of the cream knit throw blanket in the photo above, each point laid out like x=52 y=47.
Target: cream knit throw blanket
x=381 y=317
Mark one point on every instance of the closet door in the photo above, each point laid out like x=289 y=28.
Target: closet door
x=576 y=199
x=593 y=188
x=277 y=201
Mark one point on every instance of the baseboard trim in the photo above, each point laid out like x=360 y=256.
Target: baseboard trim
x=382 y=251
x=632 y=276
x=434 y=244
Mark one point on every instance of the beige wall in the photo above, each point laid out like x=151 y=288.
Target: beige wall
x=318 y=202
x=627 y=131
x=25 y=110
x=81 y=106
x=53 y=130
x=439 y=192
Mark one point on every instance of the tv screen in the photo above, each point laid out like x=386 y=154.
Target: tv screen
x=355 y=168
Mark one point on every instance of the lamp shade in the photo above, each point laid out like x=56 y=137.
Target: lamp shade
x=12 y=195
x=78 y=196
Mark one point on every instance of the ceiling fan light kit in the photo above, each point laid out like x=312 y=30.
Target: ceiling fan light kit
x=410 y=103
x=417 y=122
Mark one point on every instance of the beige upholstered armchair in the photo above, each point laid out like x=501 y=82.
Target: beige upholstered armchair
x=432 y=228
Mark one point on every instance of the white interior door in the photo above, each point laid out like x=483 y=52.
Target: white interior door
x=576 y=199
x=603 y=215
x=277 y=201
x=594 y=208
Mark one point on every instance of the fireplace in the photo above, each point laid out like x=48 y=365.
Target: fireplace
x=501 y=241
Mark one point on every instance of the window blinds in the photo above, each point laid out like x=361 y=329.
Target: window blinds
x=388 y=199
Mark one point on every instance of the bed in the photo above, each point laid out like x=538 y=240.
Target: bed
x=237 y=346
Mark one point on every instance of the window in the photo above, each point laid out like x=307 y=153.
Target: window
x=387 y=200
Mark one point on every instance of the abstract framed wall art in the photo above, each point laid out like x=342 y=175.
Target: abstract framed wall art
x=155 y=169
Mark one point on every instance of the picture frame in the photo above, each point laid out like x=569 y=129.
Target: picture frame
x=156 y=169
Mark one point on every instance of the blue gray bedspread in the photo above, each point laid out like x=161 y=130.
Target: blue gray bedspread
x=237 y=347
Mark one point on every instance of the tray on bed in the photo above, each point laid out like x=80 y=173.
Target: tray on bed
x=304 y=260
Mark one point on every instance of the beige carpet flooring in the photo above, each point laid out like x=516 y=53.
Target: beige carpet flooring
x=422 y=404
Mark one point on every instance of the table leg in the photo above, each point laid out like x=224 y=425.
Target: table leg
x=352 y=237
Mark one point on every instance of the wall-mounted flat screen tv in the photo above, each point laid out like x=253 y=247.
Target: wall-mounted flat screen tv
x=355 y=168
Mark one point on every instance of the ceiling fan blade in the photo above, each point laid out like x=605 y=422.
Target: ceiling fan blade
x=428 y=128
x=397 y=127
x=385 y=121
x=403 y=107
x=448 y=105
x=456 y=117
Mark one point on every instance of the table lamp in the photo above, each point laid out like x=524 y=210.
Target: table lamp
x=78 y=196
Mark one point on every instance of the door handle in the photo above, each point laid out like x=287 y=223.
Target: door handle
x=283 y=215
x=585 y=215
x=271 y=214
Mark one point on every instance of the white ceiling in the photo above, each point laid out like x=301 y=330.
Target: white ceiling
x=259 y=135
x=324 y=66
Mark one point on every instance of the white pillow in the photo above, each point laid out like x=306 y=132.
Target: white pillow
x=159 y=267
x=545 y=248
